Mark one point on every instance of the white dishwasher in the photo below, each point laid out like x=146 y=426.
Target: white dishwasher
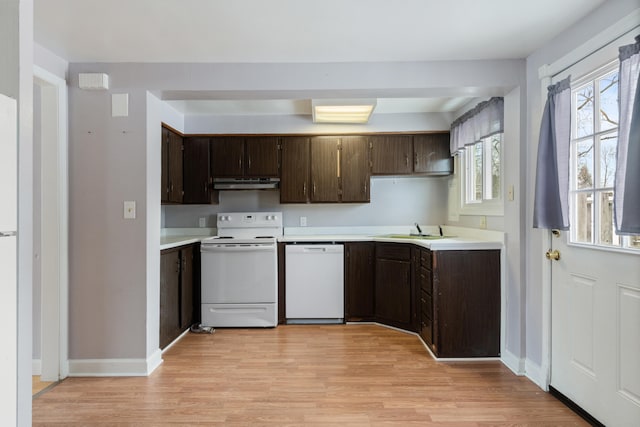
x=314 y=283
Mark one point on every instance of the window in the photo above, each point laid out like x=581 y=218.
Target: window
x=477 y=142
x=594 y=140
x=483 y=170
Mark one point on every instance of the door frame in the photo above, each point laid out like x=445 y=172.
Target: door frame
x=55 y=295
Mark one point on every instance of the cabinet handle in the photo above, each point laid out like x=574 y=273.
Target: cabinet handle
x=205 y=187
x=249 y=165
x=304 y=188
x=240 y=163
x=415 y=158
x=314 y=188
x=406 y=160
x=178 y=266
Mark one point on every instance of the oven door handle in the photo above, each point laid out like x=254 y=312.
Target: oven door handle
x=237 y=248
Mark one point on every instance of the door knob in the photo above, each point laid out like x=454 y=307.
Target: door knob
x=555 y=255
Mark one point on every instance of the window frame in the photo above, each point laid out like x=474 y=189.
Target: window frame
x=488 y=207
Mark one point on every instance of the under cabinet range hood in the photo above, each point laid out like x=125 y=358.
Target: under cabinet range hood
x=246 y=183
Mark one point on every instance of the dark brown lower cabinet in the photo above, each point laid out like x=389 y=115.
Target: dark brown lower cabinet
x=358 y=281
x=393 y=297
x=178 y=299
x=466 y=303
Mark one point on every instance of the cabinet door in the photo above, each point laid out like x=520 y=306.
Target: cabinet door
x=262 y=157
x=393 y=292
x=174 y=151
x=186 y=287
x=391 y=154
x=466 y=293
x=227 y=157
x=164 y=195
x=197 y=173
x=355 y=169
x=358 y=281
x=294 y=179
x=169 y=296
x=325 y=169
x=431 y=154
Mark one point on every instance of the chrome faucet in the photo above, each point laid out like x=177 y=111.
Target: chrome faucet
x=419 y=229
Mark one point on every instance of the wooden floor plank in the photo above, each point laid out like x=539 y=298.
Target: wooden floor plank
x=347 y=375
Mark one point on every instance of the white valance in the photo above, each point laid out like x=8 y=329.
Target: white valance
x=485 y=119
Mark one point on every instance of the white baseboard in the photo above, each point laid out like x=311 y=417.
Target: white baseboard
x=36 y=367
x=513 y=362
x=115 y=367
x=534 y=372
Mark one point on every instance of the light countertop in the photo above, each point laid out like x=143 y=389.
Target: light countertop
x=466 y=239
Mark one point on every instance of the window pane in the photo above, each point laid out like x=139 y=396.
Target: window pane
x=605 y=222
x=584 y=113
x=609 y=101
x=584 y=217
x=495 y=147
x=608 y=148
x=477 y=171
x=584 y=164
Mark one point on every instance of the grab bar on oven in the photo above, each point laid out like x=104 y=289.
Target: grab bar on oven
x=238 y=248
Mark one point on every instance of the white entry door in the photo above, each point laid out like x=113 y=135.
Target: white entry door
x=595 y=341
x=8 y=260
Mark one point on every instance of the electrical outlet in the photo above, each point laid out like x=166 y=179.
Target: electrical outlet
x=202 y=222
x=303 y=221
x=510 y=193
x=483 y=222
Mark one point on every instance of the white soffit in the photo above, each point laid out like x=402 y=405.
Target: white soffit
x=303 y=106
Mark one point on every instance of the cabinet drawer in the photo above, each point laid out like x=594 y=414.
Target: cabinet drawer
x=425 y=258
x=425 y=280
x=426 y=304
x=393 y=251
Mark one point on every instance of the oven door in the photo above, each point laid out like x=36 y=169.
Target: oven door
x=239 y=273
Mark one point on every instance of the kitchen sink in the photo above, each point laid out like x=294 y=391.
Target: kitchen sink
x=415 y=236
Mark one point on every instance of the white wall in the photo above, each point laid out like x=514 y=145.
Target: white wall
x=600 y=19
x=394 y=201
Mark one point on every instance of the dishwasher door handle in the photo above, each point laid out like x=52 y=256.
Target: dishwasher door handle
x=314 y=249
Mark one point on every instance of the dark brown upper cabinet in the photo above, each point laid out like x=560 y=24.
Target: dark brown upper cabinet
x=227 y=157
x=294 y=176
x=197 y=172
x=238 y=157
x=391 y=154
x=171 y=180
x=431 y=154
x=261 y=157
x=355 y=175
x=325 y=169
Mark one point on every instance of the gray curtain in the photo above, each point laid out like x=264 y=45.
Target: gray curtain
x=485 y=119
x=626 y=198
x=551 y=203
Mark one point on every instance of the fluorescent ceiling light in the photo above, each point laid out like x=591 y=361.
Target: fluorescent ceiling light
x=349 y=111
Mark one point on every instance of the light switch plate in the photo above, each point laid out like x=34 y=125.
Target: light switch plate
x=119 y=105
x=303 y=221
x=510 y=193
x=129 y=210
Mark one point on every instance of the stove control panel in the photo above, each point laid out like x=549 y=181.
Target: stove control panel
x=249 y=219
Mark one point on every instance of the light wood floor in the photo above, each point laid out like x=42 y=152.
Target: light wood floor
x=346 y=375
x=37 y=386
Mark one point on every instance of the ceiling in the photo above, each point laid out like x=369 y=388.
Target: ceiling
x=301 y=31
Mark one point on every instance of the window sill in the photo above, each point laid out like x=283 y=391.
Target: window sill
x=488 y=209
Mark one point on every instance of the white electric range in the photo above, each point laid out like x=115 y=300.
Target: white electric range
x=239 y=271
